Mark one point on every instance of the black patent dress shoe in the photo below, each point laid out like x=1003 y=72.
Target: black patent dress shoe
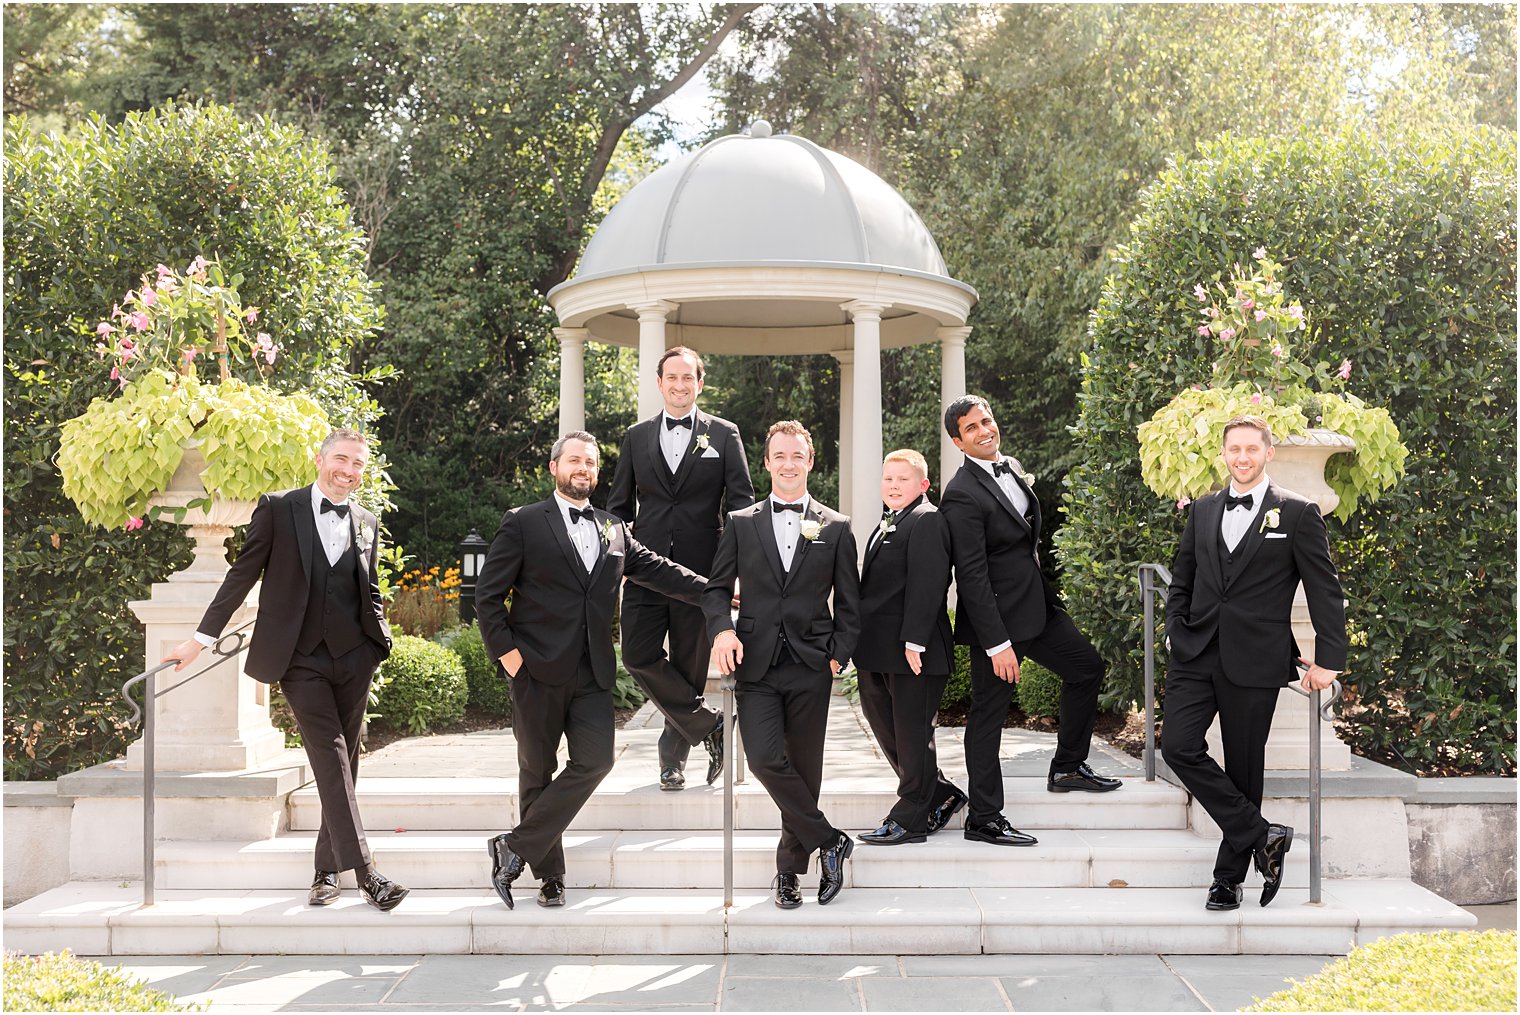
x=551 y=892
x=998 y=832
x=714 y=744
x=891 y=834
x=941 y=815
x=1270 y=856
x=381 y=892
x=1084 y=778
x=672 y=778
x=324 y=889
x=831 y=860
x=1223 y=895
x=788 y=892
x=506 y=867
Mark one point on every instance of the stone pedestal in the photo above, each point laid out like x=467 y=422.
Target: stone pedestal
x=218 y=722
x=1298 y=464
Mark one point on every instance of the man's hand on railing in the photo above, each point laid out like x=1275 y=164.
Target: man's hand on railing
x=1315 y=678
x=727 y=652
x=185 y=653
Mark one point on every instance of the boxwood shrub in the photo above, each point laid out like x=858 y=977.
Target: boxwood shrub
x=420 y=687
x=486 y=680
x=1404 y=256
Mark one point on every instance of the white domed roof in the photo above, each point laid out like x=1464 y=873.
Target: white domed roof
x=746 y=200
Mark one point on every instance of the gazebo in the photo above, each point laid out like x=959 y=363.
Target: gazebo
x=768 y=245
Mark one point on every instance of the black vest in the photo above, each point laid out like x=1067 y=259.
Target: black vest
x=332 y=603
x=1227 y=557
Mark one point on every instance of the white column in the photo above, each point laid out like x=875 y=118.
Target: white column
x=865 y=450
x=846 y=358
x=572 y=378
x=651 y=347
x=952 y=385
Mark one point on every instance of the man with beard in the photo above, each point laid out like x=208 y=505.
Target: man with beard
x=562 y=563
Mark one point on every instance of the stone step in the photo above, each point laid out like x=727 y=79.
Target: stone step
x=635 y=802
x=105 y=918
x=1064 y=858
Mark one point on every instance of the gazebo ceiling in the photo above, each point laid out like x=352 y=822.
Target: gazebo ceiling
x=753 y=235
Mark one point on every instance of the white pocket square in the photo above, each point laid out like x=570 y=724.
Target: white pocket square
x=710 y=453
x=1277 y=535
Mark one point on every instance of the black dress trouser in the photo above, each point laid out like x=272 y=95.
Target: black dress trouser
x=900 y=707
x=675 y=683
x=783 y=718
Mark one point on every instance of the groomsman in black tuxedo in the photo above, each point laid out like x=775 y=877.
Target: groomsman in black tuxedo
x=676 y=474
x=1244 y=552
x=320 y=634
x=1007 y=611
x=786 y=555
x=906 y=651
x=562 y=562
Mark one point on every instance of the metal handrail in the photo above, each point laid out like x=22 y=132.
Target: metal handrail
x=151 y=695
x=1146 y=573
x=733 y=773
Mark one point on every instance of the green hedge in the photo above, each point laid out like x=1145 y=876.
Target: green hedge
x=86 y=214
x=60 y=982
x=420 y=687
x=486 y=680
x=1405 y=259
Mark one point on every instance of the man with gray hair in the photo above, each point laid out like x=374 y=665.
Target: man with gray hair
x=562 y=562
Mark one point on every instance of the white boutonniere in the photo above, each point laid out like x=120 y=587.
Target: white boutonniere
x=1271 y=520
x=366 y=537
x=810 y=529
x=887 y=526
x=1027 y=477
x=607 y=530
x=703 y=443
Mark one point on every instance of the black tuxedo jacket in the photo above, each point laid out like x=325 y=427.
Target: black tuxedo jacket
x=1003 y=595
x=681 y=516
x=903 y=584
x=796 y=601
x=281 y=545
x=558 y=612
x=1251 y=613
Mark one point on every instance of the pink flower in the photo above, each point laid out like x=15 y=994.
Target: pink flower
x=163 y=270
x=1247 y=304
x=1261 y=315
x=101 y=350
x=190 y=354
x=1203 y=330
x=104 y=328
x=1227 y=334
x=1256 y=398
x=115 y=373
x=147 y=297
x=1212 y=311
x=269 y=356
x=127 y=343
x=1200 y=292
x=1259 y=253
x=252 y=313
x=134 y=523
x=1344 y=373
x=1183 y=502
x=128 y=354
x=197 y=266
x=1277 y=350
x=1296 y=312
x=265 y=342
x=140 y=321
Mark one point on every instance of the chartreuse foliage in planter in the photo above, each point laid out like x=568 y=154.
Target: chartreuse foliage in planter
x=1445 y=971
x=123 y=450
x=1402 y=256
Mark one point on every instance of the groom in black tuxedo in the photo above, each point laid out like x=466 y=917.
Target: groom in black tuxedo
x=786 y=555
x=1243 y=554
x=1008 y=611
x=320 y=634
x=562 y=562
x=676 y=473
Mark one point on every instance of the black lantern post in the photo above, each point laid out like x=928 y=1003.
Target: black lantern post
x=472 y=558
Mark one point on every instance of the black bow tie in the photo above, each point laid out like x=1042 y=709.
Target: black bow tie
x=1002 y=469
x=1235 y=502
x=671 y=424
x=341 y=510
x=576 y=514
x=776 y=505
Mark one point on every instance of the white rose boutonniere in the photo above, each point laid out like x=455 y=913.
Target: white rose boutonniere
x=366 y=537
x=607 y=530
x=1271 y=520
x=703 y=443
x=810 y=529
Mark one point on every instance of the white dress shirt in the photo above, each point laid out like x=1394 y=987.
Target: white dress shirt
x=1236 y=522
x=787 y=525
x=588 y=542
x=1006 y=483
x=333 y=530
x=674 y=440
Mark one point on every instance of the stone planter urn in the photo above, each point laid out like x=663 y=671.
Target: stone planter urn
x=219 y=721
x=1298 y=464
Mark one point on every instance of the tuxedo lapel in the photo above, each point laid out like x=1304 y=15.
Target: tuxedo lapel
x=803 y=542
x=767 y=533
x=1210 y=514
x=1256 y=534
x=699 y=424
x=556 y=523
x=657 y=454
x=306 y=529
x=991 y=485
x=602 y=518
x=1034 y=505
